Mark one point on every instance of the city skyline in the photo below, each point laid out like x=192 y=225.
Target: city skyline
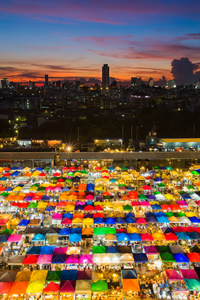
x=66 y=39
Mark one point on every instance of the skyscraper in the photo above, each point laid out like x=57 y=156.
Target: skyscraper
x=46 y=82
x=105 y=76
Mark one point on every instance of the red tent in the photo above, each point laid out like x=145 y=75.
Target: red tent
x=170 y=237
x=52 y=287
x=194 y=257
x=30 y=259
x=5 y=287
x=146 y=188
x=141 y=221
x=67 y=286
x=146 y=237
x=98 y=207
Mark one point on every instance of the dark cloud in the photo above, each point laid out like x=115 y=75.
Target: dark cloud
x=183 y=71
x=94 y=80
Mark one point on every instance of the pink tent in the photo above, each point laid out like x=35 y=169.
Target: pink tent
x=141 y=221
x=72 y=259
x=57 y=188
x=14 y=238
x=182 y=203
x=49 y=188
x=151 y=250
x=67 y=286
x=189 y=274
x=89 y=197
x=80 y=203
x=145 y=203
x=44 y=259
x=57 y=216
x=60 y=250
x=173 y=275
x=86 y=259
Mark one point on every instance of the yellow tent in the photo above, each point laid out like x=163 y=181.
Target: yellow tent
x=118 y=207
x=158 y=236
x=42 y=205
x=132 y=230
x=77 y=221
x=87 y=221
x=190 y=214
x=38 y=275
x=35 y=287
x=173 y=219
x=69 y=207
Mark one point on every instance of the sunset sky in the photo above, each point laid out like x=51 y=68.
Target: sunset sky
x=74 y=38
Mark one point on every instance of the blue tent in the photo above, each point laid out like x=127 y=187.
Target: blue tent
x=109 y=221
x=111 y=249
x=157 y=179
x=8 y=189
x=13 y=168
x=16 y=173
x=4 y=238
x=39 y=169
x=186 y=196
x=194 y=235
x=65 y=189
x=162 y=168
x=134 y=237
x=130 y=214
x=38 y=237
x=98 y=220
x=140 y=257
x=75 y=237
x=129 y=274
x=111 y=169
x=156 y=207
x=182 y=236
x=151 y=220
x=90 y=187
x=23 y=223
x=159 y=214
x=47 y=250
x=194 y=220
x=67 y=215
x=50 y=208
x=162 y=219
x=45 y=197
x=130 y=220
x=3 y=178
x=181 y=258
x=76 y=230
x=79 y=207
x=59 y=258
x=88 y=215
x=33 y=250
x=168 y=230
x=64 y=231
x=89 y=203
x=122 y=237
x=120 y=221
x=69 y=275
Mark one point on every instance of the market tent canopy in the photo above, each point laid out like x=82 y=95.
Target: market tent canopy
x=67 y=286
x=131 y=285
x=83 y=286
x=193 y=284
x=100 y=286
x=35 y=287
x=52 y=287
x=19 y=287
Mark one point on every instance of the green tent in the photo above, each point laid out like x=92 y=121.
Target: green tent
x=169 y=214
x=84 y=172
x=195 y=173
x=179 y=214
x=47 y=168
x=156 y=168
x=7 y=231
x=71 y=174
x=124 y=168
x=193 y=284
x=33 y=205
x=54 y=276
x=100 y=286
x=127 y=207
x=109 y=230
x=99 y=231
x=142 y=197
x=36 y=184
x=162 y=249
x=41 y=189
x=54 y=178
x=5 y=194
x=169 y=168
x=156 y=193
x=160 y=185
x=167 y=257
x=190 y=187
x=98 y=249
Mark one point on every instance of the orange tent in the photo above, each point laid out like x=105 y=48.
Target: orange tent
x=19 y=287
x=131 y=285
